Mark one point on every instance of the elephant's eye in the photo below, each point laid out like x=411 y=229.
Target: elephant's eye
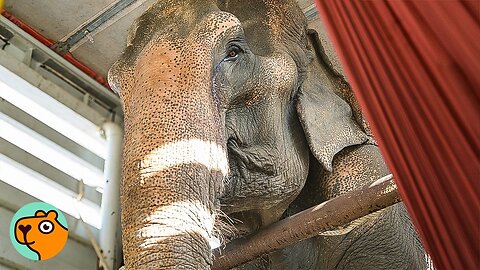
x=45 y=227
x=232 y=53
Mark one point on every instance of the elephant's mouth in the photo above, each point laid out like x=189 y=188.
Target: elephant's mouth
x=255 y=164
x=262 y=191
x=256 y=158
x=256 y=179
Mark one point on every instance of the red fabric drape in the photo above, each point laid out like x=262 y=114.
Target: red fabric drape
x=415 y=69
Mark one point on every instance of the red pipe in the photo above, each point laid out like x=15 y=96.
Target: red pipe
x=49 y=43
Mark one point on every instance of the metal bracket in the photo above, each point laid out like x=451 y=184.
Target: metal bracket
x=27 y=58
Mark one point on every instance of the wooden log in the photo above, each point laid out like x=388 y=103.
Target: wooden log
x=326 y=216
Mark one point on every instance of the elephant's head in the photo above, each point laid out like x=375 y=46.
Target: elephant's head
x=222 y=109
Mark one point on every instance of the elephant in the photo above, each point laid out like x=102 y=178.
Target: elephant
x=233 y=120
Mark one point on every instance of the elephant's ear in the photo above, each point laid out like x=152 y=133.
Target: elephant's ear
x=326 y=118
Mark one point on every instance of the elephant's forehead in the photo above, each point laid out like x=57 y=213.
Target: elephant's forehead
x=203 y=31
x=207 y=31
x=164 y=71
x=183 y=61
x=217 y=23
x=168 y=47
x=168 y=65
x=169 y=55
x=169 y=72
x=162 y=55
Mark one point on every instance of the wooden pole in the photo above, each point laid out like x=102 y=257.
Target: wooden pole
x=308 y=223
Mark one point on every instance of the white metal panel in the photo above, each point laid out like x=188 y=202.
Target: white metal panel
x=50 y=111
x=49 y=152
x=46 y=131
x=28 y=160
x=44 y=189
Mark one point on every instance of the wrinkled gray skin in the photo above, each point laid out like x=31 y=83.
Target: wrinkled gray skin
x=241 y=79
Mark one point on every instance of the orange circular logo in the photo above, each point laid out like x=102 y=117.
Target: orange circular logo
x=38 y=231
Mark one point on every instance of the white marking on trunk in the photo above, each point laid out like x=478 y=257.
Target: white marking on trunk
x=209 y=154
x=179 y=218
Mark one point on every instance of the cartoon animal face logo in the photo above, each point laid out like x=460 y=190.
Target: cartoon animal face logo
x=41 y=233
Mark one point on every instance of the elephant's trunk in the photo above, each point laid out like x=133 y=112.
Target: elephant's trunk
x=174 y=162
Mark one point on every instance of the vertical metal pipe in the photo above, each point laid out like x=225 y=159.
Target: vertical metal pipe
x=110 y=209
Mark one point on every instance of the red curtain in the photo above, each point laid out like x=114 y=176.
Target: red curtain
x=415 y=69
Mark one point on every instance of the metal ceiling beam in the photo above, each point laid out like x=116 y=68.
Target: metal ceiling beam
x=94 y=25
x=33 y=77
x=44 y=54
x=110 y=15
